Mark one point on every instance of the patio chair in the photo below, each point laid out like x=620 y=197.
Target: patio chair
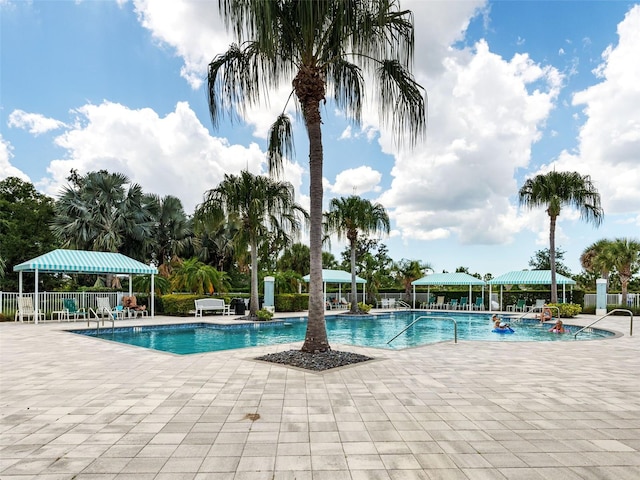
x=453 y=304
x=133 y=309
x=392 y=303
x=428 y=303
x=25 y=309
x=439 y=303
x=479 y=305
x=104 y=309
x=71 y=309
x=464 y=303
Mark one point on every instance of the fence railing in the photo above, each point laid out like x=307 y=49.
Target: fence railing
x=53 y=301
x=633 y=299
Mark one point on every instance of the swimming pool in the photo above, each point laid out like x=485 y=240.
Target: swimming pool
x=368 y=331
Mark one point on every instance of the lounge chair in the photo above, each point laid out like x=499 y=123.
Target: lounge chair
x=25 y=309
x=71 y=310
x=519 y=306
x=439 y=303
x=453 y=304
x=133 y=309
x=479 y=305
x=428 y=303
x=464 y=303
x=392 y=303
x=383 y=303
x=104 y=309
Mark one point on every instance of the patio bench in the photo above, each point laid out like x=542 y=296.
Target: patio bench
x=212 y=304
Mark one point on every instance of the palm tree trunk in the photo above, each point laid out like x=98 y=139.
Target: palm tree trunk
x=316 y=336
x=552 y=259
x=354 y=285
x=253 y=303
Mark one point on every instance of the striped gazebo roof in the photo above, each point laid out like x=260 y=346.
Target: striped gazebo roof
x=457 y=278
x=530 y=277
x=336 y=276
x=82 y=261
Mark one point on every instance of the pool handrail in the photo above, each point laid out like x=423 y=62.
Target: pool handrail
x=535 y=309
x=428 y=317
x=606 y=315
x=403 y=304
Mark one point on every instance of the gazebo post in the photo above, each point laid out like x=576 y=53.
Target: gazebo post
x=20 y=293
x=35 y=300
x=153 y=294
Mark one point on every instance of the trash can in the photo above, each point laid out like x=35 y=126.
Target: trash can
x=238 y=305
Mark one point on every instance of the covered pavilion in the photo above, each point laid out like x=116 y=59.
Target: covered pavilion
x=82 y=261
x=339 y=277
x=529 y=277
x=457 y=278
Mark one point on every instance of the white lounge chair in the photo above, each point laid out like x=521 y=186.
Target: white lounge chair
x=25 y=309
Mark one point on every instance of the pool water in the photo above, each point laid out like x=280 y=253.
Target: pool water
x=369 y=331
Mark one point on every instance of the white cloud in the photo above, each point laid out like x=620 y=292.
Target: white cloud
x=6 y=169
x=166 y=155
x=609 y=139
x=356 y=181
x=35 y=123
x=482 y=123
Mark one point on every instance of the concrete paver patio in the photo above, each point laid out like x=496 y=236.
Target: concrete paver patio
x=78 y=408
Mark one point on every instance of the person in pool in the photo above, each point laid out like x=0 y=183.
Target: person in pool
x=500 y=326
x=558 y=327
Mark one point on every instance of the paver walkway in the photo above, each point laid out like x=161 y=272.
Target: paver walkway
x=80 y=408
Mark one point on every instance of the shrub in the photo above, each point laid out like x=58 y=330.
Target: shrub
x=264 y=315
x=292 y=302
x=363 y=307
x=567 y=310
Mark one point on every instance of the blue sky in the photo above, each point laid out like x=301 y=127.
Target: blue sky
x=515 y=89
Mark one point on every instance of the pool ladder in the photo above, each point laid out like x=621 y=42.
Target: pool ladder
x=426 y=317
x=605 y=316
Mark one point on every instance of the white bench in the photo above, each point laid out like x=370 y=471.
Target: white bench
x=212 y=304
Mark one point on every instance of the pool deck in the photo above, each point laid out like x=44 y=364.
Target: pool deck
x=74 y=407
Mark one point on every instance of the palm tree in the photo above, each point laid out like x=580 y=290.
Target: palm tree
x=172 y=231
x=194 y=276
x=261 y=205
x=295 y=258
x=410 y=270
x=593 y=259
x=314 y=46
x=555 y=190
x=623 y=254
x=99 y=212
x=350 y=216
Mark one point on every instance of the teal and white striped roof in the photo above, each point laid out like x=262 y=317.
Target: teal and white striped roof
x=530 y=277
x=336 y=276
x=457 y=278
x=82 y=261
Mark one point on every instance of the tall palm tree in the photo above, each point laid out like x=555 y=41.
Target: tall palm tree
x=262 y=205
x=315 y=46
x=555 y=190
x=350 y=216
x=623 y=254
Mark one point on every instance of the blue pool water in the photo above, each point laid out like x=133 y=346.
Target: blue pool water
x=370 y=331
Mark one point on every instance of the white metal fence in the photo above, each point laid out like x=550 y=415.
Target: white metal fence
x=633 y=299
x=49 y=302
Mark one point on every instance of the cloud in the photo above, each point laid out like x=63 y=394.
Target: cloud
x=170 y=155
x=35 y=123
x=356 y=181
x=485 y=114
x=609 y=139
x=6 y=169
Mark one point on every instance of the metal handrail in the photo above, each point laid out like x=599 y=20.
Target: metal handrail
x=606 y=315
x=426 y=317
x=100 y=318
x=535 y=309
x=403 y=304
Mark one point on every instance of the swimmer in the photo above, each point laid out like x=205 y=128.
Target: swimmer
x=558 y=327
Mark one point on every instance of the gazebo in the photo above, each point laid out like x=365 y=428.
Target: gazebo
x=457 y=278
x=339 y=277
x=529 y=277
x=82 y=261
